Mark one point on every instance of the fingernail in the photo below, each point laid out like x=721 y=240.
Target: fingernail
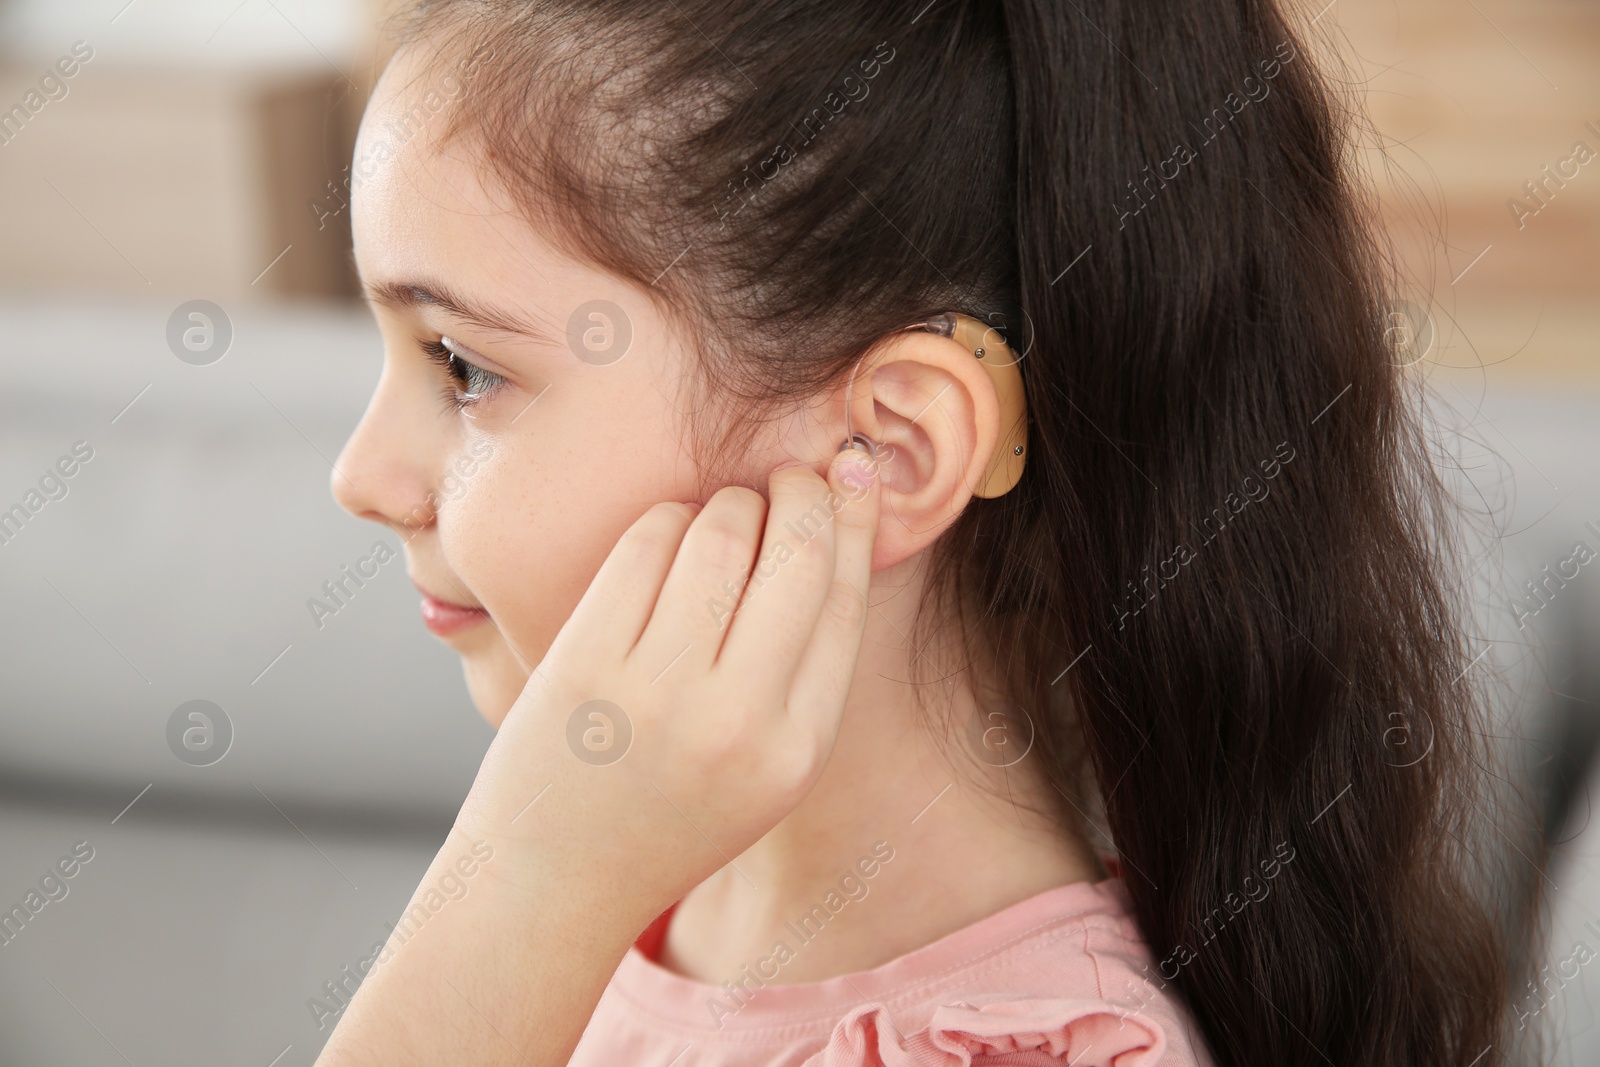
x=856 y=468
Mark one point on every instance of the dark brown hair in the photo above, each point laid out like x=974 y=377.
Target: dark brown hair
x=1228 y=528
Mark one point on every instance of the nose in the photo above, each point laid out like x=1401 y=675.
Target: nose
x=382 y=472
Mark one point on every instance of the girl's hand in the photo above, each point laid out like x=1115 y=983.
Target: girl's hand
x=665 y=732
x=717 y=724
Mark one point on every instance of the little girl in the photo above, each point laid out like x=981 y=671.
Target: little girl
x=922 y=490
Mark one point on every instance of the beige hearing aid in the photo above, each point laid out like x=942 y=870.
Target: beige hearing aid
x=984 y=342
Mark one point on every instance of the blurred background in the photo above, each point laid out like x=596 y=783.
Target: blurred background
x=176 y=521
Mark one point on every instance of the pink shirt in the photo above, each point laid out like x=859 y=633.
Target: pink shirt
x=1062 y=977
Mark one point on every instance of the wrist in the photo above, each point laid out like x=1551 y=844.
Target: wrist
x=540 y=880
x=603 y=842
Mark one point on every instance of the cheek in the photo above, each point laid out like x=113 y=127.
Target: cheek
x=534 y=526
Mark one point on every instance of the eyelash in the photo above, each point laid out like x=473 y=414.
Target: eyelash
x=479 y=383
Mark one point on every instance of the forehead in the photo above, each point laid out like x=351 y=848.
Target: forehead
x=423 y=206
x=429 y=209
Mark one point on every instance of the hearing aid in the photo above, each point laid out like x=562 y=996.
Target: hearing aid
x=986 y=345
x=861 y=442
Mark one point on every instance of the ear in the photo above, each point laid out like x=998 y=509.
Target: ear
x=933 y=412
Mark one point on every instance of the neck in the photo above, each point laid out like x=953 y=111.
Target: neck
x=909 y=834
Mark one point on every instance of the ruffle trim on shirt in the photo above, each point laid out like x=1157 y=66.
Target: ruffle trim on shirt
x=1087 y=1033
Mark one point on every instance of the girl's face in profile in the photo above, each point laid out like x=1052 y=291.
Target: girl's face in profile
x=525 y=414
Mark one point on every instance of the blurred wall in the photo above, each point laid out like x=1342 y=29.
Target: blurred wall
x=179 y=148
x=1471 y=103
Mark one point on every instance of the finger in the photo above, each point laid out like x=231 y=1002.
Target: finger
x=828 y=665
x=615 y=608
x=702 y=588
x=787 y=584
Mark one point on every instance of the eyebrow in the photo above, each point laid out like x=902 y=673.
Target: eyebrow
x=430 y=293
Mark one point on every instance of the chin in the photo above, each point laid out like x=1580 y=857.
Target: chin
x=494 y=682
x=490 y=698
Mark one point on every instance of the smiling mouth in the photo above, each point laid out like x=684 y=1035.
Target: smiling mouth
x=444 y=617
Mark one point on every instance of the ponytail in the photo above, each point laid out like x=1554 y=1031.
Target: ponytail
x=1275 y=696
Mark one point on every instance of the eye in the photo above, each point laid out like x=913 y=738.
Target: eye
x=467 y=383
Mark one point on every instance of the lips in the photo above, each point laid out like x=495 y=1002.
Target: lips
x=445 y=617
